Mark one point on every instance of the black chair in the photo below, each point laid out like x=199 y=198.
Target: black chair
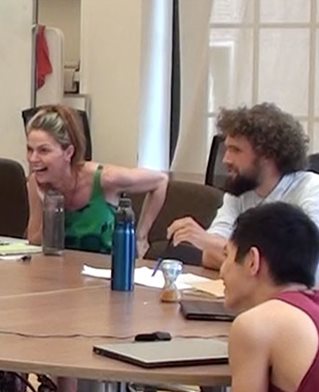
x=14 y=206
x=216 y=172
x=27 y=114
x=313 y=163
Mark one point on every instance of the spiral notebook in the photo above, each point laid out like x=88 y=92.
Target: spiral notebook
x=176 y=352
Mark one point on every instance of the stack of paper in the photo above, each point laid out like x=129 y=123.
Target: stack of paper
x=143 y=276
x=10 y=246
x=214 y=287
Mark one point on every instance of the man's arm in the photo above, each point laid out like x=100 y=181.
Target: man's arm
x=219 y=232
x=213 y=240
x=187 y=230
x=309 y=201
x=213 y=254
x=249 y=354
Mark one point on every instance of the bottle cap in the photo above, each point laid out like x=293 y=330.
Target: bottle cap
x=53 y=192
x=125 y=202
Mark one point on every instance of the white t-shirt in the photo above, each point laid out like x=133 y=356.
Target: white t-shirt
x=299 y=188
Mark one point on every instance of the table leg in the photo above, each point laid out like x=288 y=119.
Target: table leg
x=100 y=386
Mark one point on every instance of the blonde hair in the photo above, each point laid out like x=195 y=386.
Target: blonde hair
x=64 y=125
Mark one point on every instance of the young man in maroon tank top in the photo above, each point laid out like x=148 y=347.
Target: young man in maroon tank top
x=269 y=274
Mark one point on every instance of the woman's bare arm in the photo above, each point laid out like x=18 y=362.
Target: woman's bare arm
x=34 y=231
x=116 y=180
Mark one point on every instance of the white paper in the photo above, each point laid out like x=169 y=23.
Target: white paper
x=12 y=257
x=12 y=240
x=143 y=276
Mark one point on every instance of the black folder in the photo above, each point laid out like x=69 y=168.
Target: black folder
x=176 y=352
x=205 y=310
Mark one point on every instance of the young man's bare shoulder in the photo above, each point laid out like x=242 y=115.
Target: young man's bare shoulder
x=269 y=313
x=270 y=318
x=270 y=310
x=248 y=332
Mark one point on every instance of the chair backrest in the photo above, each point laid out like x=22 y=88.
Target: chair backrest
x=183 y=199
x=313 y=163
x=216 y=172
x=27 y=114
x=14 y=206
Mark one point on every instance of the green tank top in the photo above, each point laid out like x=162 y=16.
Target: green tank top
x=91 y=227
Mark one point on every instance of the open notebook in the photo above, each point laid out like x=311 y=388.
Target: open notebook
x=176 y=352
x=14 y=246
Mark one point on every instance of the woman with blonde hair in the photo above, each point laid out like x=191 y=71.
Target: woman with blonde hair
x=56 y=147
x=55 y=152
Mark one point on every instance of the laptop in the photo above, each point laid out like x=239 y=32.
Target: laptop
x=176 y=352
x=205 y=310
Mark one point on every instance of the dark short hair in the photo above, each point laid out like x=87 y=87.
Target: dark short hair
x=271 y=132
x=285 y=236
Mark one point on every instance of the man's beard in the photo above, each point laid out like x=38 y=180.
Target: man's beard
x=242 y=183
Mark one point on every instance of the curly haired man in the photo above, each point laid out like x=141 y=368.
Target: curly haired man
x=266 y=159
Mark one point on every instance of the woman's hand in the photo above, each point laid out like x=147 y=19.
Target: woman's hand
x=116 y=180
x=142 y=247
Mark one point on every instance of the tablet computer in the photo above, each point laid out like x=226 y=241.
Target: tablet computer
x=176 y=352
x=205 y=310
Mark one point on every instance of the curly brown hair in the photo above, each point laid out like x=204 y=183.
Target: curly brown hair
x=272 y=133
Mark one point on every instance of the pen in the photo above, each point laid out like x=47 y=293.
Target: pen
x=158 y=263
x=160 y=259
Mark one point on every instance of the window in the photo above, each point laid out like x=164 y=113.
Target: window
x=265 y=50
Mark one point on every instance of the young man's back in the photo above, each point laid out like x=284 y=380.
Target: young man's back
x=269 y=270
x=281 y=335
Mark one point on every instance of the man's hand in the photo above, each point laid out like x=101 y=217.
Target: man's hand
x=187 y=230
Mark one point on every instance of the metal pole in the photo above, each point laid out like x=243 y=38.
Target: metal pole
x=35 y=14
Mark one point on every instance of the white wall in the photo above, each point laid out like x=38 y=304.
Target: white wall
x=15 y=75
x=110 y=74
x=65 y=15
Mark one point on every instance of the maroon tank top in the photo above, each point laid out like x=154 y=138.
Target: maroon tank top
x=309 y=303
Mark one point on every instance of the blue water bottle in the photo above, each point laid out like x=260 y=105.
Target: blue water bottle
x=123 y=252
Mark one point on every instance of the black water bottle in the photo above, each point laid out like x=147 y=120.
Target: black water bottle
x=123 y=252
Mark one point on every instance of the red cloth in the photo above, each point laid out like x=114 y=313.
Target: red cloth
x=43 y=64
x=309 y=303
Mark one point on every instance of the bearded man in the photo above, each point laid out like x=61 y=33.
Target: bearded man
x=266 y=158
